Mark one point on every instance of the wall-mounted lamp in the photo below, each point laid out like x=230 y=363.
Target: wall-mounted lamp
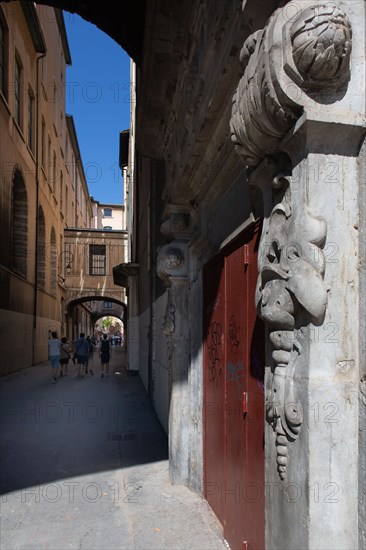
x=65 y=265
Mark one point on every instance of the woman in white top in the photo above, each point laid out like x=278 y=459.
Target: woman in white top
x=54 y=352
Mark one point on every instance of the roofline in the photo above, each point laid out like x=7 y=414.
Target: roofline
x=75 y=144
x=114 y=204
x=93 y=230
x=35 y=29
x=62 y=28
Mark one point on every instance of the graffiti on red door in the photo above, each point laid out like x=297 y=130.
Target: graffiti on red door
x=234 y=333
x=235 y=373
x=214 y=348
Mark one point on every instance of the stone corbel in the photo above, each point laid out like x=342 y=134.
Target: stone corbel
x=178 y=223
x=290 y=66
x=290 y=294
x=293 y=68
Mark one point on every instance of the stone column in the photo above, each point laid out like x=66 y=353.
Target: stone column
x=172 y=268
x=299 y=121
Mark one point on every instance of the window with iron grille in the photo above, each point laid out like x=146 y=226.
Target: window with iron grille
x=61 y=191
x=54 y=173
x=97 y=259
x=3 y=57
x=43 y=144
x=31 y=120
x=17 y=92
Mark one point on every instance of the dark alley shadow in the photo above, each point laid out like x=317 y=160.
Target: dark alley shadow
x=74 y=427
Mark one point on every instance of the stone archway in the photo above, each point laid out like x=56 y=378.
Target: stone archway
x=118 y=309
x=127 y=29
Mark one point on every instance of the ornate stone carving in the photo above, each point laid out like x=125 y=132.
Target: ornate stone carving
x=172 y=267
x=290 y=283
x=321 y=38
x=291 y=66
x=170 y=262
x=174 y=258
x=178 y=224
x=169 y=317
x=283 y=64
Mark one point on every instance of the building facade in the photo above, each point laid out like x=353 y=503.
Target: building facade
x=38 y=180
x=249 y=261
x=44 y=193
x=248 y=270
x=108 y=216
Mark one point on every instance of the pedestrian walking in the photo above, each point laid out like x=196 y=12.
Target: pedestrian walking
x=54 y=352
x=90 y=356
x=65 y=356
x=81 y=348
x=104 y=354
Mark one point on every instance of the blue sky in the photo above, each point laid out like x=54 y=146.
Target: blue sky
x=97 y=95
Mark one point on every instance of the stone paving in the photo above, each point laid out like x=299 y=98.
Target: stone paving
x=84 y=466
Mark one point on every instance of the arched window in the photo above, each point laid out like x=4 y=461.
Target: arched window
x=53 y=261
x=41 y=249
x=19 y=224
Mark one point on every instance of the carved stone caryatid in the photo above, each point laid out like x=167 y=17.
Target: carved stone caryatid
x=290 y=283
x=289 y=66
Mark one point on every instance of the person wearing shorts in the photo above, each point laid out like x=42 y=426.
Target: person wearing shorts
x=54 y=352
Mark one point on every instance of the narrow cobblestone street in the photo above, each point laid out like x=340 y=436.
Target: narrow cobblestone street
x=84 y=466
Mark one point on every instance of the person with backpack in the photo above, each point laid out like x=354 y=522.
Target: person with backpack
x=105 y=354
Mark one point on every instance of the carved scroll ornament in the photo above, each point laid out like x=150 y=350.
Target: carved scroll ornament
x=283 y=63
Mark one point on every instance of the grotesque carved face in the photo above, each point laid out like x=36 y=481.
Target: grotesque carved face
x=291 y=263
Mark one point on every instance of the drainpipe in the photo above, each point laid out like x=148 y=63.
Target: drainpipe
x=37 y=200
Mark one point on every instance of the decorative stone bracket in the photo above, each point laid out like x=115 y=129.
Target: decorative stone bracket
x=290 y=292
x=178 y=223
x=172 y=263
x=291 y=67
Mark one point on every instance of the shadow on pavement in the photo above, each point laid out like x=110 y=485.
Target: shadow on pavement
x=75 y=427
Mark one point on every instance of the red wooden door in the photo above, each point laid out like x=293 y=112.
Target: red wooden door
x=233 y=393
x=214 y=403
